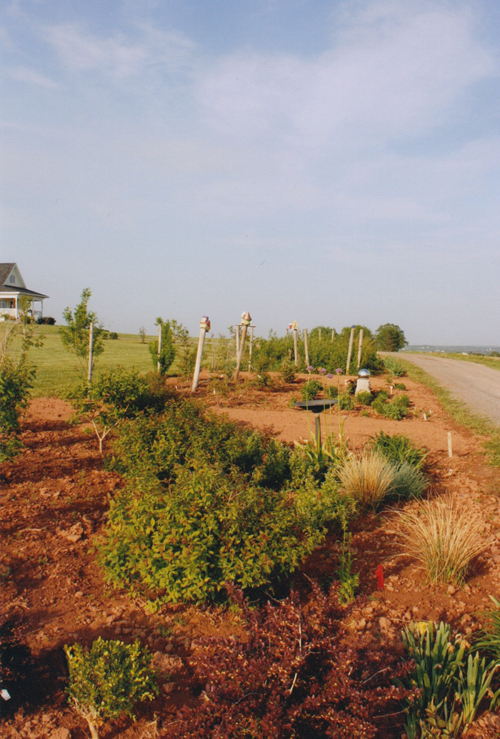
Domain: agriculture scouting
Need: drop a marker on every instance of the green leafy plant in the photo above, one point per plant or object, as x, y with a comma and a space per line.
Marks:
75, 335
489, 639
444, 536
311, 389
348, 580
162, 359
398, 448
115, 395
287, 371
397, 409
394, 367
106, 680
390, 338
452, 682
364, 398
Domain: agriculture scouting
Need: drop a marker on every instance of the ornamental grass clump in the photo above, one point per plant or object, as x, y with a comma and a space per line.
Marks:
106, 680
368, 479
444, 536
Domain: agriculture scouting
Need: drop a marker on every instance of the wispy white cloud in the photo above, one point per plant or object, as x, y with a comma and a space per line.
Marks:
32, 76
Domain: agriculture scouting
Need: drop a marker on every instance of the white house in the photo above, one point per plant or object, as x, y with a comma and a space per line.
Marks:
13, 289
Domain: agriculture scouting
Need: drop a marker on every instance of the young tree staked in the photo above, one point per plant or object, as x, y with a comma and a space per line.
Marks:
75, 335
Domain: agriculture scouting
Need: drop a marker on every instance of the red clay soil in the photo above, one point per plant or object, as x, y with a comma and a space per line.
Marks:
54, 502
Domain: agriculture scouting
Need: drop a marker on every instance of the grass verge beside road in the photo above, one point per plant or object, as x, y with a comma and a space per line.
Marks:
459, 410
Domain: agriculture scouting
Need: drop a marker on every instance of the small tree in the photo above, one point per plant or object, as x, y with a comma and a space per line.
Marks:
75, 335
142, 334
390, 338
164, 358
16, 378
106, 680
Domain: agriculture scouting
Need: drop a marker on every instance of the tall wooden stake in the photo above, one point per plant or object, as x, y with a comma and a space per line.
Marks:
204, 328
319, 334
246, 320
360, 346
237, 337
306, 347
158, 366
91, 352
250, 348
349, 353
295, 330
333, 335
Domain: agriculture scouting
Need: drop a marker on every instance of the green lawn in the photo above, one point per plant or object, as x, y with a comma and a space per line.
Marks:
58, 370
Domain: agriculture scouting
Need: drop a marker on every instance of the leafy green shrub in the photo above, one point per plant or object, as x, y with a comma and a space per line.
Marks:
400, 386
113, 335
106, 680
311, 389
115, 395
398, 448
451, 682
346, 402
397, 409
394, 367
320, 504
46, 321
364, 398
292, 674
187, 541
287, 371
331, 391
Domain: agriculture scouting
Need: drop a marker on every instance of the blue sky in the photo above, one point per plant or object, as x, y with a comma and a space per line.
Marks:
325, 162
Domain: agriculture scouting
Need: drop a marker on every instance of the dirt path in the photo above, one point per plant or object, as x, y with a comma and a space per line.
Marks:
477, 385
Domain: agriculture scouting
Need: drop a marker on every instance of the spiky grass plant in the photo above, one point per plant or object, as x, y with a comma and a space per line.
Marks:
408, 483
444, 536
367, 479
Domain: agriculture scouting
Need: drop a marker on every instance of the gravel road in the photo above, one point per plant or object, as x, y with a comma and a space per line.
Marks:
477, 385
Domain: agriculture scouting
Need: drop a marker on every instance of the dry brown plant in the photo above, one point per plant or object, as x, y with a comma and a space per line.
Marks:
444, 535
367, 479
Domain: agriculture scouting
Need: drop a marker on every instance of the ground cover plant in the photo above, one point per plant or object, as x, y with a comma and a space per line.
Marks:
291, 677
398, 448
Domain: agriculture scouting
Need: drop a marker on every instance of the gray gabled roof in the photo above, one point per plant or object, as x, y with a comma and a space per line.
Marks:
5, 270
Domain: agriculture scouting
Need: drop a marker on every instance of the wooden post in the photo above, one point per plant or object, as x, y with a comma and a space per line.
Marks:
349, 353
360, 346
319, 334
295, 330
237, 338
306, 347
158, 366
250, 348
204, 328
245, 323
450, 447
333, 335
91, 351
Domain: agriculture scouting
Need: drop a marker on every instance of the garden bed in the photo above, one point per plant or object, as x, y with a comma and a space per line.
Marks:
55, 501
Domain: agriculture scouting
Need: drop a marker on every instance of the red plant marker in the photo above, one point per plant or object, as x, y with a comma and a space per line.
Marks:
379, 574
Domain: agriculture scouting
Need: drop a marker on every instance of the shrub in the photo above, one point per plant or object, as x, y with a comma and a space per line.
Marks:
115, 395
400, 386
292, 675
397, 409
394, 367
106, 680
398, 448
311, 389
322, 505
185, 543
364, 398
287, 371
444, 536
346, 402
368, 479
113, 335
46, 321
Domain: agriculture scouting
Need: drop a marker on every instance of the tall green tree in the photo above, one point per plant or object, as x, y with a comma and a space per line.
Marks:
75, 335
390, 338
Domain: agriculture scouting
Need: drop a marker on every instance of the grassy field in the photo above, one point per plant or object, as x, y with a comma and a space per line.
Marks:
58, 370
493, 362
